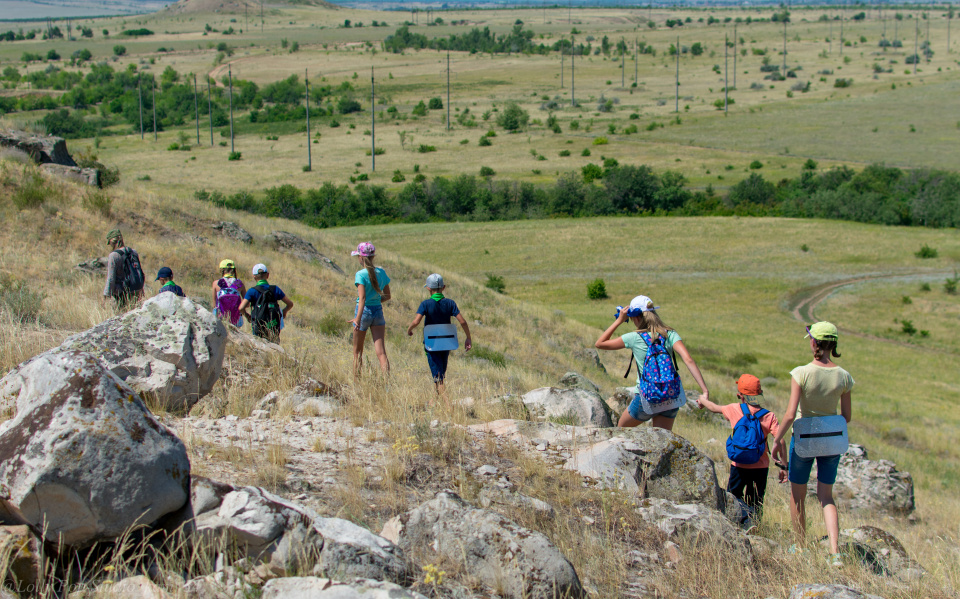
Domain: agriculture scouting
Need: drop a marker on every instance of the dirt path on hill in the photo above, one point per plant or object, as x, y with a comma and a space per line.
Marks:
803, 304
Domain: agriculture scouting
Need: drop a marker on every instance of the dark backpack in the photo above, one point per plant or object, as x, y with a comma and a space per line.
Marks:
747, 443
266, 313
659, 380
132, 280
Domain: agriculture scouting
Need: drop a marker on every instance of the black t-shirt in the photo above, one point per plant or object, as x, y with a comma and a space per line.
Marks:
435, 312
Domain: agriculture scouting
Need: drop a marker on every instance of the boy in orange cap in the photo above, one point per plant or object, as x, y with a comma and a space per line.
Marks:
748, 478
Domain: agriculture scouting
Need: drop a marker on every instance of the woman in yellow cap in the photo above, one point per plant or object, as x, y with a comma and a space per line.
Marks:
228, 292
817, 389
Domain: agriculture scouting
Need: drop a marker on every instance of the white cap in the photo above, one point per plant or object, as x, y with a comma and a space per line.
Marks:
260, 268
643, 303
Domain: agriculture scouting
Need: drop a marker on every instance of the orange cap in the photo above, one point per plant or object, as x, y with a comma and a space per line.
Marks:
748, 384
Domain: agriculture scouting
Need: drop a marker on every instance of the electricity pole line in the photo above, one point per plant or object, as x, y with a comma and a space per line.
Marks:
196, 107
306, 82
230, 75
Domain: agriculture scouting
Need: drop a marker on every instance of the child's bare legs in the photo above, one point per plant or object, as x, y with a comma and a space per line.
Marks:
358, 339
830, 517
626, 420
798, 513
663, 422
380, 346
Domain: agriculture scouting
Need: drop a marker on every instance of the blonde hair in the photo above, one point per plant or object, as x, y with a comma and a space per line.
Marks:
367, 262
649, 322
224, 271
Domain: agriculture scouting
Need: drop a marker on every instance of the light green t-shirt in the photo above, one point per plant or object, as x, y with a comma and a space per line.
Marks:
635, 343
821, 388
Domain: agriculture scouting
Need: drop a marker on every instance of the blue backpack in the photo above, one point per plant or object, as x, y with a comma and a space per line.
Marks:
659, 380
747, 443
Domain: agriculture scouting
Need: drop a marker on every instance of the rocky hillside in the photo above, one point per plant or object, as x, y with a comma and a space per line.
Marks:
158, 453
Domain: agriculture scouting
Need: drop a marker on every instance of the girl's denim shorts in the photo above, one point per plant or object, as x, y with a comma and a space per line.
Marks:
372, 317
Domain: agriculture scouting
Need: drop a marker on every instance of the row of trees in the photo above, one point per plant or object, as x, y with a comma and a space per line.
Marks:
877, 194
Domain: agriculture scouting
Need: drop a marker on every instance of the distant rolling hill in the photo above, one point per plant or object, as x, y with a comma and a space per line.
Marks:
236, 6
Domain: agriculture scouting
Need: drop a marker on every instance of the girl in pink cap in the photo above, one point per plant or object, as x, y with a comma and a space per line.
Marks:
373, 288
643, 314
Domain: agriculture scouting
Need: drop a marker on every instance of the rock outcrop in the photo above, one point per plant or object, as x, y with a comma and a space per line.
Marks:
827, 591
575, 380
870, 485
288, 243
694, 522
233, 231
44, 149
569, 406
87, 176
82, 457
170, 348
520, 563
310, 587
881, 552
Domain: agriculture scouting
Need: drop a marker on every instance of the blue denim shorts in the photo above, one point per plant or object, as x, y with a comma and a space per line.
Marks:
372, 317
799, 468
636, 411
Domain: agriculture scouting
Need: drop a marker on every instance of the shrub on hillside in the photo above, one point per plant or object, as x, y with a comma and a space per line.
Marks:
597, 290
31, 191
420, 109
754, 190
435, 104
513, 117
485, 141
234, 156
926, 252
496, 283
18, 301
486, 171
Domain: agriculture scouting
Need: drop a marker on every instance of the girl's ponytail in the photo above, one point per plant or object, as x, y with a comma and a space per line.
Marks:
372, 271
825, 347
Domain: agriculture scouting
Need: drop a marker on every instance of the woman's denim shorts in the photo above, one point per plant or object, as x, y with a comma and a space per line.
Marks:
799, 468
372, 317
636, 411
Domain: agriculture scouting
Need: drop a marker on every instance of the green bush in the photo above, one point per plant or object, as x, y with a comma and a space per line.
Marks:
420, 109
926, 252
950, 285
234, 156
398, 177
907, 327
755, 165
332, 324
18, 301
925, 287
496, 283
597, 290
485, 141
585, 152
591, 172
486, 171
600, 141
435, 104
424, 148
564, 152
119, 50
32, 191
512, 117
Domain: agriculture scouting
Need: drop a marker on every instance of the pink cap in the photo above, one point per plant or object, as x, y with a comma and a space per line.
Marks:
365, 249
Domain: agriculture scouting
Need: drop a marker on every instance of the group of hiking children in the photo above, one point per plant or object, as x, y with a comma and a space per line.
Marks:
817, 390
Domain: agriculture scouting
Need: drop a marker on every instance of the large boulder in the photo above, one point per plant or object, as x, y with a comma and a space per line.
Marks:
42, 148
695, 523
568, 406
233, 231
518, 562
285, 536
301, 249
870, 485
881, 552
170, 348
87, 176
827, 591
311, 587
575, 380
82, 458
651, 462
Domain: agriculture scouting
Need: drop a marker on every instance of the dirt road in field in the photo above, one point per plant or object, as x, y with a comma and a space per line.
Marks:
803, 304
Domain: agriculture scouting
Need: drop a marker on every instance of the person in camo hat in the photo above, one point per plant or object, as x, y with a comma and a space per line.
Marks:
124, 273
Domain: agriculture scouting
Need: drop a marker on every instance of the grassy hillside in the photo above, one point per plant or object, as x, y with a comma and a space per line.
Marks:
724, 283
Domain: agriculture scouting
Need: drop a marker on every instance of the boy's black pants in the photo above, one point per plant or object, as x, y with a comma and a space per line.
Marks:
749, 485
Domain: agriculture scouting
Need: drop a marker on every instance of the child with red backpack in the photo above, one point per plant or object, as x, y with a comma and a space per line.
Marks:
747, 445
659, 395
228, 293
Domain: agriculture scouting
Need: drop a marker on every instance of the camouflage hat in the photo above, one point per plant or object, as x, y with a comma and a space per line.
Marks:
114, 234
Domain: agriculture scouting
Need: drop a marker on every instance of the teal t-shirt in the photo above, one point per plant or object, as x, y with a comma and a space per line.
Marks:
363, 278
635, 343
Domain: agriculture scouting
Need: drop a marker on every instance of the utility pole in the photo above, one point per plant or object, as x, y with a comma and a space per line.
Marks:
230, 75
210, 109
561, 63
784, 46
306, 82
726, 87
140, 101
916, 45
831, 37
261, 17
841, 27
676, 99
246, 24
448, 90
154, 110
373, 130
949, 18
736, 41
573, 87
196, 107
623, 63
636, 60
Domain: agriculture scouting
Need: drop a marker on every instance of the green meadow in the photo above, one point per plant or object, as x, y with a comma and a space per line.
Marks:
727, 285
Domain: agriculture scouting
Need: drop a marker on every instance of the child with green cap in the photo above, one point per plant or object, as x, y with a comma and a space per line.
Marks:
438, 309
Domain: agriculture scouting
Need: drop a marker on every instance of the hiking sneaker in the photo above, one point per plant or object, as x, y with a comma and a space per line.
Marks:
795, 549
835, 560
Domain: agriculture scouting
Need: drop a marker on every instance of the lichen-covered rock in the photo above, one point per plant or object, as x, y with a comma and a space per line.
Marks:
311, 587
620, 400
881, 552
82, 458
520, 563
694, 522
651, 462
42, 148
569, 406
287, 537
233, 231
170, 348
87, 176
870, 485
827, 591
575, 380
301, 249
493, 497
134, 587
